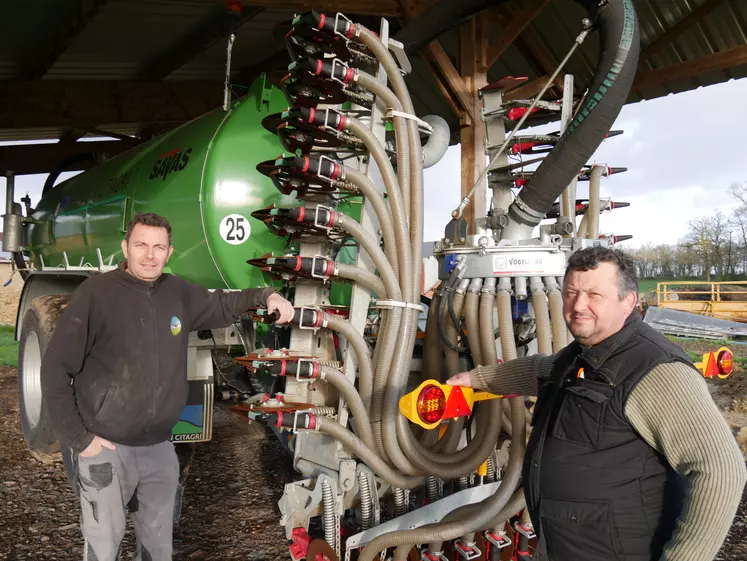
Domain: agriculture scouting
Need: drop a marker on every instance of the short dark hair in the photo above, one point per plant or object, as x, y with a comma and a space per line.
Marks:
148, 219
591, 257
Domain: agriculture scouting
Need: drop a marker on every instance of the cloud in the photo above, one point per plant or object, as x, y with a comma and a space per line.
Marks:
682, 153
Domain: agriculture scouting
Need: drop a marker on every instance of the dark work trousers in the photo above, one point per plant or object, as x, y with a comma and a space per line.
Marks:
144, 478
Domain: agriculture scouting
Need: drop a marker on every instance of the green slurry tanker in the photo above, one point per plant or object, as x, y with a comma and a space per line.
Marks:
315, 185
203, 178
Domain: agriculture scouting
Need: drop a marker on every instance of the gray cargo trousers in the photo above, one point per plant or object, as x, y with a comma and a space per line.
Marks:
144, 478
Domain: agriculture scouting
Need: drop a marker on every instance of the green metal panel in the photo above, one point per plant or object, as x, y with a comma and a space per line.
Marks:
195, 176
232, 188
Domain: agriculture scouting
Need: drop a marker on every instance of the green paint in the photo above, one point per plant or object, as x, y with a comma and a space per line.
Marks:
195, 176
184, 427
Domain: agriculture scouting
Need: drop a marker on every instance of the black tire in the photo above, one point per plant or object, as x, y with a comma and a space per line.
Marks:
38, 326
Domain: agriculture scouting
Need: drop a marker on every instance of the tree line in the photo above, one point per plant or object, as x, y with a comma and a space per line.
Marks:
714, 249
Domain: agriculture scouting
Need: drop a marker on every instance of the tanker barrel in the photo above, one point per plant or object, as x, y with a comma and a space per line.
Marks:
12, 220
9, 191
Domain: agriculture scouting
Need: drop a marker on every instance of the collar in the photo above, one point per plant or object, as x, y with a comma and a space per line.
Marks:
126, 279
596, 355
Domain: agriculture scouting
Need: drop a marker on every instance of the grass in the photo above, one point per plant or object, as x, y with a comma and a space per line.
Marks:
8, 346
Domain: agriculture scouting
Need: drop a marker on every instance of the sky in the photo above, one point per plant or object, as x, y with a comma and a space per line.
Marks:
682, 152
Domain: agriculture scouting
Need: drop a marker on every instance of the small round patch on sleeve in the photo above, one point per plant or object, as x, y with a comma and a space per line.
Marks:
176, 325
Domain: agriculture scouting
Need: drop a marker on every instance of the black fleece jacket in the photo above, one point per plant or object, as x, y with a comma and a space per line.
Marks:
116, 365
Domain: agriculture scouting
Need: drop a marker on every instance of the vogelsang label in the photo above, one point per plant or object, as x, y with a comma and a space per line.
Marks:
530, 263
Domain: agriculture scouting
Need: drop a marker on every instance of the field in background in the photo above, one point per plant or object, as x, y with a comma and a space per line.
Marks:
8, 346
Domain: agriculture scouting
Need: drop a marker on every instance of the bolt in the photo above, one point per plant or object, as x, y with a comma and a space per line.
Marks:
461, 240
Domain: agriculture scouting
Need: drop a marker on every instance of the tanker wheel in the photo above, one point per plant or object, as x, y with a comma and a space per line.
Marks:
38, 327
320, 550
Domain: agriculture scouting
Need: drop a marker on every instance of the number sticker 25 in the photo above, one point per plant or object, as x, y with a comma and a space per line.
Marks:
234, 229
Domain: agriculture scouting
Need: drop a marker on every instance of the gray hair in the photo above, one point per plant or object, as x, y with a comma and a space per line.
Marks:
591, 257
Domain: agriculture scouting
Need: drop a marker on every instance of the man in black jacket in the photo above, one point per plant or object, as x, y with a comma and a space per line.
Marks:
629, 457
114, 379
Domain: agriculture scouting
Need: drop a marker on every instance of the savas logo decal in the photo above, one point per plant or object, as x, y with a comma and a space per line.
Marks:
170, 162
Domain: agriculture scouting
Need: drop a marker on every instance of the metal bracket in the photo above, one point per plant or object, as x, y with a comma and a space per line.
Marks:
338, 17
328, 209
526, 531
468, 552
298, 371
501, 541
300, 320
294, 430
398, 50
438, 556
347, 477
313, 267
336, 62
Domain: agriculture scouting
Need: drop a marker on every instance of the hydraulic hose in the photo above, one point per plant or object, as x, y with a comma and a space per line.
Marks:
362, 353
556, 314
472, 319
438, 141
396, 201
400, 131
492, 507
366, 454
616, 68
432, 351
361, 276
392, 248
487, 331
401, 365
401, 360
541, 316
452, 357
354, 401
367, 241
461, 462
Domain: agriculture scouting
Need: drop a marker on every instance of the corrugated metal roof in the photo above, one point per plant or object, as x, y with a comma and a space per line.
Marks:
126, 35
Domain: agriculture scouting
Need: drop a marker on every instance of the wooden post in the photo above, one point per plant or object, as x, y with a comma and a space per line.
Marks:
473, 51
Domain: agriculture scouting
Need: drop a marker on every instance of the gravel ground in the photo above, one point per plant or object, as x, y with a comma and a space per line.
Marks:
229, 509
230, 503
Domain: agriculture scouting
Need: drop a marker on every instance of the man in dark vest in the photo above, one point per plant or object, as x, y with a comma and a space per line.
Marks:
629, 458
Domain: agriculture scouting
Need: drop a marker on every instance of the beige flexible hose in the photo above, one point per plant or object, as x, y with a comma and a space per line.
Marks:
541, 316
354, 401
362, 353
472, 319
358, 449
361, 276
556, 314
398, 222
386, 222
492, 507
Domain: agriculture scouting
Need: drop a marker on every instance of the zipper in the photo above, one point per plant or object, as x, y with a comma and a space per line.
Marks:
155, 359
603, 377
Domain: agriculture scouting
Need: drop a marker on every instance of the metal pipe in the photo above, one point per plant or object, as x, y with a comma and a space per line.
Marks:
520, 288
10, 185
593, 209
